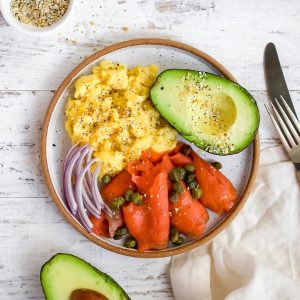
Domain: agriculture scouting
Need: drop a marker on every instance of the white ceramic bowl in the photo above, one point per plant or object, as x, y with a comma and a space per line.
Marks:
33, 30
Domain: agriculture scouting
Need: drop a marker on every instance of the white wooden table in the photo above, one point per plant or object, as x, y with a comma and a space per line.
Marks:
31, 228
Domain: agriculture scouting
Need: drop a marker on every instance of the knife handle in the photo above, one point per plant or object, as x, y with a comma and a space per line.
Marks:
297, 167
298, 174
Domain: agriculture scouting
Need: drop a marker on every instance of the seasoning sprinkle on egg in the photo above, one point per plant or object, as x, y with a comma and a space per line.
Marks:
39, 13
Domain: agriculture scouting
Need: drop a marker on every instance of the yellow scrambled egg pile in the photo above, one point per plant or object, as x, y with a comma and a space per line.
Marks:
112, 112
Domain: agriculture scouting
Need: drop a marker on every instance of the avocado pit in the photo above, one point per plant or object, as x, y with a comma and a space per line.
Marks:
83, 294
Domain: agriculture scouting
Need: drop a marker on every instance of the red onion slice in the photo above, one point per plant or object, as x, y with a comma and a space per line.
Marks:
67, 179
79, 168
68, 187
78, 195
96, 194
86, 197
69, 155
89, 205
80, 161
88, 173
87, 201
87, 188
91, 210
83, 223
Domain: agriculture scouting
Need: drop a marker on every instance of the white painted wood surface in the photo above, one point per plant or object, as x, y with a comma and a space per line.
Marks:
31, 228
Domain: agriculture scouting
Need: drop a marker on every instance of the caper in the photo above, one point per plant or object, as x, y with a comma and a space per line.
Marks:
217, 165
173, 230
117, 237
130, 243
193, 184
179, 241
177, 187
121, 231
115, 205
182, 172
173, 197
175, 175
106, 179
128, 195
175, 237
137, 198
189, 168
189, 178
187, 150
196, 192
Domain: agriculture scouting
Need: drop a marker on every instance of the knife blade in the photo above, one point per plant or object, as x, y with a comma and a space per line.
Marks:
274, 77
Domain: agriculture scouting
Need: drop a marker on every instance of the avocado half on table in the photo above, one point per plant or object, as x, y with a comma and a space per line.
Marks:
67, 277
216, 114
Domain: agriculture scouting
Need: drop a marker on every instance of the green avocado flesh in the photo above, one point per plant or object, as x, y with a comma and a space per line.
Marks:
64, 273
214, 113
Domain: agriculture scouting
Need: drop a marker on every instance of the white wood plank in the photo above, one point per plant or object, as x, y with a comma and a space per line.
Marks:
21, 118
32, 230
235, 33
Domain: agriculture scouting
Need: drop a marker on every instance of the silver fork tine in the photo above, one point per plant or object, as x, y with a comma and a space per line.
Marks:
284, 141
285, 130
288, 122
291, 114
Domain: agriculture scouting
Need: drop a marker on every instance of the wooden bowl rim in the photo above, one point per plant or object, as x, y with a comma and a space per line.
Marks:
155, 253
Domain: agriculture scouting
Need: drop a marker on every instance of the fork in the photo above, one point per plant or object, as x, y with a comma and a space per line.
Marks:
288, 128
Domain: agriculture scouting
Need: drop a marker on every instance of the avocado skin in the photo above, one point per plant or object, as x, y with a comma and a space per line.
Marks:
107, 278
187, 134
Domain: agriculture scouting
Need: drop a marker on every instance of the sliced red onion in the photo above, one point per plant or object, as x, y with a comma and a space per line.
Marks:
69, 155
67, 180
90, 209
88, 201
86, 197
85, 225
108, 211
90, 205
78, 195
87, 188
88, 173
68, 187
79, 168
96, 194
80, 161
81, 148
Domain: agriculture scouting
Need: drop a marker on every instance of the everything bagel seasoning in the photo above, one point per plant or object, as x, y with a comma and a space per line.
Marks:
40, 13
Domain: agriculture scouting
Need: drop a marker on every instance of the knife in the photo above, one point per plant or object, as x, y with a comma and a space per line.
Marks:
274, 77
276, 83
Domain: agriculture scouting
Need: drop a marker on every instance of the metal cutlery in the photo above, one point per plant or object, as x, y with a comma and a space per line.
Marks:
284, 117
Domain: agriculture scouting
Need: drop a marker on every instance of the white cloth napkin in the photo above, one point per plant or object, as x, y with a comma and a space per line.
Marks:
258, 255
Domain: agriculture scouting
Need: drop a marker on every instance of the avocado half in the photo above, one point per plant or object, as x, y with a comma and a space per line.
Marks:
65, 273
214, 113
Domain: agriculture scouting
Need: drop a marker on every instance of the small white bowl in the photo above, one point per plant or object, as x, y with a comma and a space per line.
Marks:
30, 29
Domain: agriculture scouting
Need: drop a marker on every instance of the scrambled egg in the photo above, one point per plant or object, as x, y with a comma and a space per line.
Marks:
112, 112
